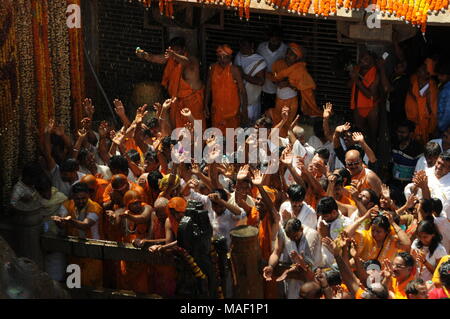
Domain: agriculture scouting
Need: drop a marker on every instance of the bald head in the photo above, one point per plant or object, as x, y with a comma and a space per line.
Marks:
310, 290
353, 162
119, 181
90, 180
161, 208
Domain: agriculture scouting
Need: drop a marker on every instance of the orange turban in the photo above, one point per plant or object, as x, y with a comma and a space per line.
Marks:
224, 50
178, 203
296, 49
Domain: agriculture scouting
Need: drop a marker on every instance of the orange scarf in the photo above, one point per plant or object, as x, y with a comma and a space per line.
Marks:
399, 288
359, 101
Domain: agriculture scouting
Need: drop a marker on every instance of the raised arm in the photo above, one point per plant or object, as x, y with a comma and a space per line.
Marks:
327, 111
358, 137
149, 57
142, 218
51, 164
120, 111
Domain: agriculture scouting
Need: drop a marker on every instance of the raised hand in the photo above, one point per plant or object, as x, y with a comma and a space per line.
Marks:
287, 156
88, 107
257, 178
157, 107
103, 129
358, 137
299, 260
119, 108
119, 136
388, 270
342, 128
327, 110
169, 53
385, 191
186, 112
243, 172
331, 246
86, 123
168, 103
284, 113
140, 114
411, 201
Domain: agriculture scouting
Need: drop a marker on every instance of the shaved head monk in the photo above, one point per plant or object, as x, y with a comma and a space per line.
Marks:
226, 91
96, 186
181, 78
291, 74
361, 177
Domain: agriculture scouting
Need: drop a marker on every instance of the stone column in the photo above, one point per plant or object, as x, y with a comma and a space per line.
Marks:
246, 263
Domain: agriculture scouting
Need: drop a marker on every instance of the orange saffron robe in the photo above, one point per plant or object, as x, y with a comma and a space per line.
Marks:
162, 278
359, 101
299, 77
225, 108
399, 289
419, 112
91, 269
100, 190
265, 243
362, 180
368, 249
186, 96
133, 275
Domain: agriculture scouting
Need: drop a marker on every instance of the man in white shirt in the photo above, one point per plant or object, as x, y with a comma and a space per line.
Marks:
330, 224
295, 207
434, 182
65, 176
295, 238
88, 166
252, 66
430, 155
271, 51
24, 196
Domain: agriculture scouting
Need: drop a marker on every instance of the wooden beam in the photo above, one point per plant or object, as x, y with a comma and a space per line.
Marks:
102, 249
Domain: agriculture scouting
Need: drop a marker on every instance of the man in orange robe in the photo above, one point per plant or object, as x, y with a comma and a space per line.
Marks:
181, 78
421, 104
135, 223
268, 225
291, 74
96, 186
225, 88
364, 100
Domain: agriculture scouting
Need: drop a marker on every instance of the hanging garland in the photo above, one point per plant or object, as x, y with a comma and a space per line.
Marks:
59, 50
76, 71
27, 103
9, 100
411, 11
44, 94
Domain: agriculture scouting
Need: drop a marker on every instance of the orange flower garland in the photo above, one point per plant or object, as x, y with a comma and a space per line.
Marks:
44, 94
76, 71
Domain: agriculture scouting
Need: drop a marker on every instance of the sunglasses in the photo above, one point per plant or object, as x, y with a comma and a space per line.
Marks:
352, 164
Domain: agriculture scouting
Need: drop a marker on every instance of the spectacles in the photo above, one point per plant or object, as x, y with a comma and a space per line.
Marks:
352, 164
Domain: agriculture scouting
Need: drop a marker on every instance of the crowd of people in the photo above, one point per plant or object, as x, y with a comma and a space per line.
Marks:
325, 213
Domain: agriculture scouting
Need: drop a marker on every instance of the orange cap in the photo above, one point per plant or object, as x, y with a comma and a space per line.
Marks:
178, 203
270, 192
224, 50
